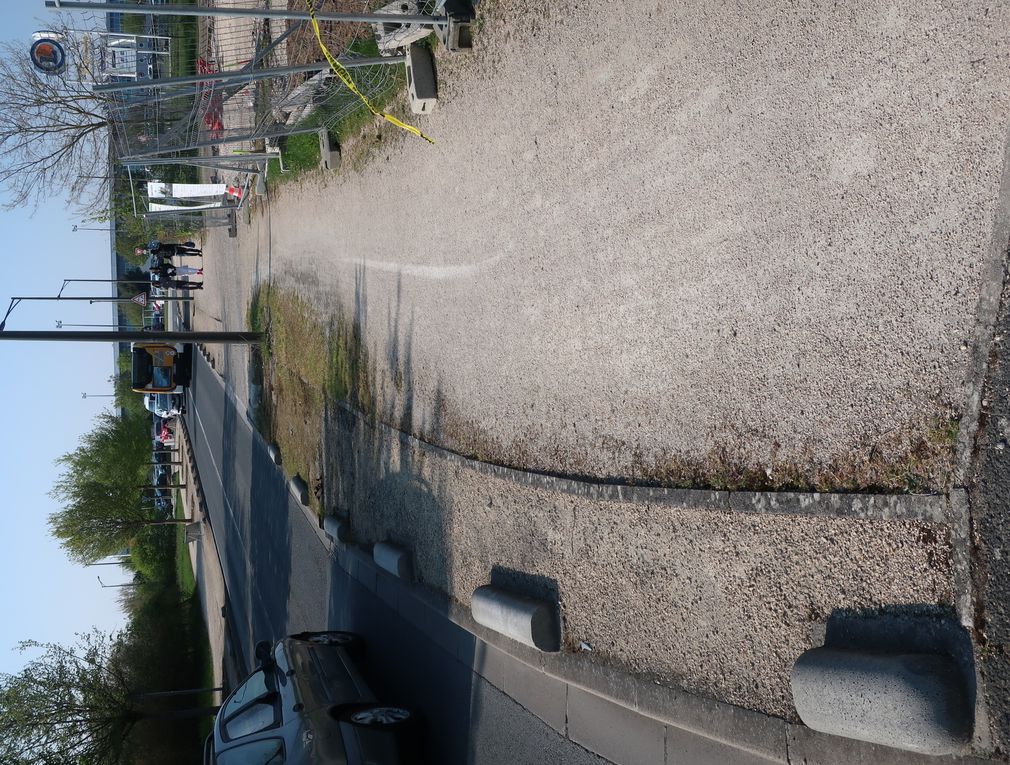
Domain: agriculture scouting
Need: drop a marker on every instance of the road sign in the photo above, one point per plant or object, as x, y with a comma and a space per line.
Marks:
47, 53
140, 299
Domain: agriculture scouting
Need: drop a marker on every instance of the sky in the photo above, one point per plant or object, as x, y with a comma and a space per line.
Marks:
43, 596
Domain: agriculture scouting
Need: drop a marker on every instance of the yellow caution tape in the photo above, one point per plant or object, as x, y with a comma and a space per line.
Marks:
341, 71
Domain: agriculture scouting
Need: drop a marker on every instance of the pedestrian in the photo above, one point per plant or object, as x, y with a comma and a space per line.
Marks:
185, 271
170, 250
179, 284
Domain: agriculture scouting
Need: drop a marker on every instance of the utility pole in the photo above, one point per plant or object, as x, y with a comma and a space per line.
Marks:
127, 336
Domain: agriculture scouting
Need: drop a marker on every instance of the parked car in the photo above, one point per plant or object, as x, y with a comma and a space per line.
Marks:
163, 502
307, 702
164, 404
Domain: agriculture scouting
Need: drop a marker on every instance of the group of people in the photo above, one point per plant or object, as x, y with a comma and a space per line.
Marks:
164, 272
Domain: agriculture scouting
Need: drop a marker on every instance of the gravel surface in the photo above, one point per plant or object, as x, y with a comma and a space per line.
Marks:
684, 242
680, 242
717, 603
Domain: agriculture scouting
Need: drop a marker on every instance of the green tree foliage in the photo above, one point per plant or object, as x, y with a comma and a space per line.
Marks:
103, 504
84, 704
68, 705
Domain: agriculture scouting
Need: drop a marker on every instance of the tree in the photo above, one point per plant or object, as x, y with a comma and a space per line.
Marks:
103, 506
78, 704
54, 131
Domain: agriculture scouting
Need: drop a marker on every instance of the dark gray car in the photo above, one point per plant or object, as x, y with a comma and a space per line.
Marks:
308, 703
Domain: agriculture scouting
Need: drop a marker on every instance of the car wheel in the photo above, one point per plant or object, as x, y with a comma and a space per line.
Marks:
384, 717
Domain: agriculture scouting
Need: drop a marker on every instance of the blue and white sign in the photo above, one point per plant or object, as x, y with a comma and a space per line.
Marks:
48, 55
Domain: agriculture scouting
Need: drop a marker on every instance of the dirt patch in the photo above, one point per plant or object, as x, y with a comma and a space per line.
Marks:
293, 372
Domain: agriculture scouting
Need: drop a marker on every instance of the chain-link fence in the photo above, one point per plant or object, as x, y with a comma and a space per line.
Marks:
211, 95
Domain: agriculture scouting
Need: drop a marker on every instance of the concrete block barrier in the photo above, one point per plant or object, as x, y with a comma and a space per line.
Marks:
422, 89
393, 559
299, 488
531, 622
275, 453
911, 701
329, 151
337, 529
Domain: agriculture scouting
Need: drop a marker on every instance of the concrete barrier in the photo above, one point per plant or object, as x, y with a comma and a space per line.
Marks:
393, 559
422, 88
275, 453
337, 529
912, 701
531, 622
299, 488
329, 151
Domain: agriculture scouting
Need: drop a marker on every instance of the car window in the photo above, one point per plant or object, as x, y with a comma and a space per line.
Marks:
249, 691
268, 751
252, 719
162, 377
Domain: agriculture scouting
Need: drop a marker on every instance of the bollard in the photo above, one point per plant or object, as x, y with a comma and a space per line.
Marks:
337, 529
532, 622
912, 701
300, 489
393, 559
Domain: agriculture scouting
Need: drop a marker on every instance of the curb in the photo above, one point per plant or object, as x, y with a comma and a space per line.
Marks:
926, 508
571, 676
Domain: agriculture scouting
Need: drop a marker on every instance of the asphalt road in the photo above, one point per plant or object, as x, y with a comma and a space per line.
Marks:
280, 580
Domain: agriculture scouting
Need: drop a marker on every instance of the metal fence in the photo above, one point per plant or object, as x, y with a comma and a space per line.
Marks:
213, 95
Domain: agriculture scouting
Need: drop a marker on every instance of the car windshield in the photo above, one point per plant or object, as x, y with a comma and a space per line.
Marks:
162, 377
143, 366
250, 690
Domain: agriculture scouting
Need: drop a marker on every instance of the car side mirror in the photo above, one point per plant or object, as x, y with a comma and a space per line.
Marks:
264, 653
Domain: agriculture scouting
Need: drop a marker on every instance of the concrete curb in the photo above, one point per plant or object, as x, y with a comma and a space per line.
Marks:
926, 508
494, 656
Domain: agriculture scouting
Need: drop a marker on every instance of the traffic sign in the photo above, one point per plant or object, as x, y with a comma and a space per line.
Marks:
140, 299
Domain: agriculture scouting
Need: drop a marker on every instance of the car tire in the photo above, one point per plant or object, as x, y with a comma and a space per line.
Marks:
380, 716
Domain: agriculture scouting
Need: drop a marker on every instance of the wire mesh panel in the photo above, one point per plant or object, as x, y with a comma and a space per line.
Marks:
228, 87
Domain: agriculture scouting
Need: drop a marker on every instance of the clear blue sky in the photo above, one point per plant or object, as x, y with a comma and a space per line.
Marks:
43, 596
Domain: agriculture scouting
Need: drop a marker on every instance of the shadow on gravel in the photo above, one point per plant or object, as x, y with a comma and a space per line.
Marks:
379, 485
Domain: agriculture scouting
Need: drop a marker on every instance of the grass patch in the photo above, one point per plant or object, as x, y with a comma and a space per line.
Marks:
304, 364
185, 40
294, 369
301, 152
200, 655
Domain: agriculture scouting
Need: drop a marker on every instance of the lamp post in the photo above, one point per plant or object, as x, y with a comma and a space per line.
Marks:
110, 586
98, 395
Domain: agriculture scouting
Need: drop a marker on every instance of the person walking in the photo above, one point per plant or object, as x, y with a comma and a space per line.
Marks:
170, 250
185, 271
179, 284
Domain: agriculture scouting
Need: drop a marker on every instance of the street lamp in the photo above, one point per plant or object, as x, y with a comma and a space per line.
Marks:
89, 228
109, 586
98, 395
